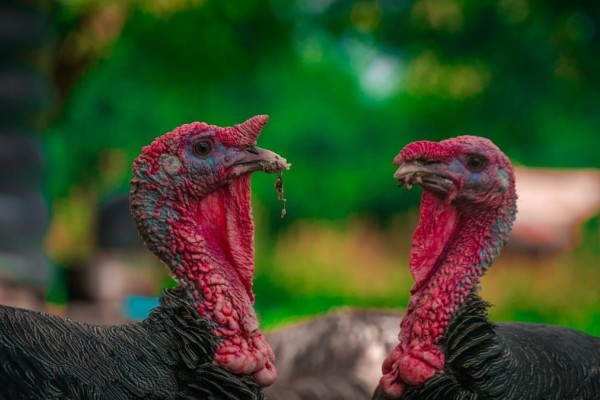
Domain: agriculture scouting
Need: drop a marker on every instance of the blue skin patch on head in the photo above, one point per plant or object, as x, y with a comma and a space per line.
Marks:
503, 178
203, 165
471, 181
474, 179
211, 162
209, 165
456, 167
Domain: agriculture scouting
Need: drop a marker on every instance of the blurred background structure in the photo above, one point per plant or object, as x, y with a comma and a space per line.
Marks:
25, 99
347, 84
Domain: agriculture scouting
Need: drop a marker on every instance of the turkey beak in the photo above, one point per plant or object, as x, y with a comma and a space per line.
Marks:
408, 174
426, 174
253, 158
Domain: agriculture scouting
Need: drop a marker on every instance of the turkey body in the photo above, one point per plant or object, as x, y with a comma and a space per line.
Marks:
511, 361
166, 356
333, 357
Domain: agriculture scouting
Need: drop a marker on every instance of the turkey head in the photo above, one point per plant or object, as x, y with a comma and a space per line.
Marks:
190, 198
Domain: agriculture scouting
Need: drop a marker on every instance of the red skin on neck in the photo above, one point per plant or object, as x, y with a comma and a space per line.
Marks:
215, 236
442, 260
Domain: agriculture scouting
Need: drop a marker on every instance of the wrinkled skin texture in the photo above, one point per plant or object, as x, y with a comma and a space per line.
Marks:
448, 348
191, 200
444, 261
509, 361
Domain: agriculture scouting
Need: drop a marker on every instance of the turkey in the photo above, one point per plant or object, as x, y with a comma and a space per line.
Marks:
448, 348
336, 356
190, 199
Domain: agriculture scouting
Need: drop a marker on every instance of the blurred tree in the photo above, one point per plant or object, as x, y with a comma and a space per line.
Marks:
347, 84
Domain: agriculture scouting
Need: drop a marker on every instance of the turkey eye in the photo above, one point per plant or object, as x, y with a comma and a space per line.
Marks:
203, 148
475, 163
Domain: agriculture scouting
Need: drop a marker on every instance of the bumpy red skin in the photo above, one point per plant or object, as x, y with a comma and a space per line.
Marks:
206, 236
457, 237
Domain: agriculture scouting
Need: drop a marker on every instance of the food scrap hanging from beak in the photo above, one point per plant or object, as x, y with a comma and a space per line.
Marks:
280, 193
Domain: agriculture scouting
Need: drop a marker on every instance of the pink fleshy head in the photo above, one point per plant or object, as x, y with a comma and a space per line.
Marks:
191, 201
467, 209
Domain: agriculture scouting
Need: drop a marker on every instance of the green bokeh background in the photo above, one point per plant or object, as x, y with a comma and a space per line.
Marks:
346, 84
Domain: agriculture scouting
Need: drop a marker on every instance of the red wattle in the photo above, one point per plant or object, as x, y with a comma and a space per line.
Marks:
219, 263
435, 229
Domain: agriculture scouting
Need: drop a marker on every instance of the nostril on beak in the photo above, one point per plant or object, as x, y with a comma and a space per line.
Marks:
251, 149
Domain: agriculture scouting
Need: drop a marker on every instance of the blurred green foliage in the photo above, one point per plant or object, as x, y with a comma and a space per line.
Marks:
347, 84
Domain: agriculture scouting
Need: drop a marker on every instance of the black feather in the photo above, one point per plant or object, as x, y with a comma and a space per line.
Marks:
511, 361
167, 356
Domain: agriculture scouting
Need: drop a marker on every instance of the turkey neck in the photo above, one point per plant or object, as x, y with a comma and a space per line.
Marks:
208, 244
451, 250
203, 241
